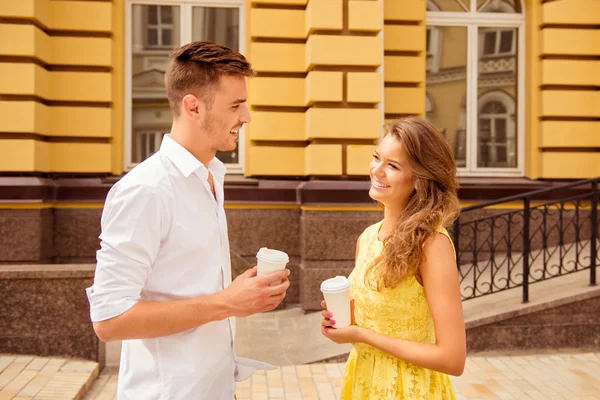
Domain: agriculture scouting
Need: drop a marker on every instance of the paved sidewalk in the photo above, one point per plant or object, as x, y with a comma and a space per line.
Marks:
573, 376
43, 378
544, 377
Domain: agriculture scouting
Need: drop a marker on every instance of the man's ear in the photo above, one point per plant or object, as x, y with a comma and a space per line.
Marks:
191, 107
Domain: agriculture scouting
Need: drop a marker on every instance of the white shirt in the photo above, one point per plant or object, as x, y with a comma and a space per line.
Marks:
164, 237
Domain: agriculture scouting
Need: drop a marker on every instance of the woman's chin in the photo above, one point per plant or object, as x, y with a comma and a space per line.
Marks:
376, 195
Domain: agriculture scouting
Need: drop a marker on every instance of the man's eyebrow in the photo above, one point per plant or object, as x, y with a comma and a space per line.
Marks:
239, 101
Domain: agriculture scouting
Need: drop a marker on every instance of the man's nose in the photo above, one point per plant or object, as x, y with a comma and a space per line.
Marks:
246, 117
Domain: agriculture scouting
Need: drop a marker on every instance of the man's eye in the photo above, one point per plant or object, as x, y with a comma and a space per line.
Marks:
236, 107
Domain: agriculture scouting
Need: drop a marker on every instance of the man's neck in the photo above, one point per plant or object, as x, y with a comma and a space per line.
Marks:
197, 148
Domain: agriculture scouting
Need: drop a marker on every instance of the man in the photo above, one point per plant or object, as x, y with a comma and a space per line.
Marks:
163, 278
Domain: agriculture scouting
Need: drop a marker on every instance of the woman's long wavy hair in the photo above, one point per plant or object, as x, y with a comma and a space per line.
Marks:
433, 204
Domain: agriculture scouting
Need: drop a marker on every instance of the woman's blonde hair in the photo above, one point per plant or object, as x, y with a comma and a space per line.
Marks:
433, 204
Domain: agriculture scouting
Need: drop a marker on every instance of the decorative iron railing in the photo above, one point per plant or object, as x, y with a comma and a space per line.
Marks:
524, 239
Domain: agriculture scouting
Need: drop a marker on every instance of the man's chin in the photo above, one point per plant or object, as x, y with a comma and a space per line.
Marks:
228, 147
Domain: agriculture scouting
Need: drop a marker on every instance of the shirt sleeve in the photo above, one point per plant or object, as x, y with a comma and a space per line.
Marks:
129, 244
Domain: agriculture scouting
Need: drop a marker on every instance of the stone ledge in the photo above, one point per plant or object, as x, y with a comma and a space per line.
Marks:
246, 190
532, 309
562, 313
47, 271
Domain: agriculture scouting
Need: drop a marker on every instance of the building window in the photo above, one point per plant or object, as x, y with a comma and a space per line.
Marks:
481, 62
153, 31
498, 42
428, 107
147, 143
159, 26
428, 41
433, 42
496, 131
460, 144
448, 5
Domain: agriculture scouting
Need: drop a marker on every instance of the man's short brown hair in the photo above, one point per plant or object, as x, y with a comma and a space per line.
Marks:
196, 69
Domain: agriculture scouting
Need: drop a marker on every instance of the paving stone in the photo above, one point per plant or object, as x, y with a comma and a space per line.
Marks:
37, 363
39, 378
16, 384
11, 372
552, 376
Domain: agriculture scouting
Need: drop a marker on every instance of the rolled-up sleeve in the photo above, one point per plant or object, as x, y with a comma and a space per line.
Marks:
130, 241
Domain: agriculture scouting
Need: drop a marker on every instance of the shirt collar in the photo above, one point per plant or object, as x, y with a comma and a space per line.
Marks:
217, 168
187, 163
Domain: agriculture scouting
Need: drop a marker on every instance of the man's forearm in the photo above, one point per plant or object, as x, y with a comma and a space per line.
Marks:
150, 319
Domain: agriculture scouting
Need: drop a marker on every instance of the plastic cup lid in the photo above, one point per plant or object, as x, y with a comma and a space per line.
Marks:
335, 285
271, 255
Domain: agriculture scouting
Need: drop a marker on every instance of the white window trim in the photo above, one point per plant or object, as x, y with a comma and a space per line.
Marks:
473, 20
185, 34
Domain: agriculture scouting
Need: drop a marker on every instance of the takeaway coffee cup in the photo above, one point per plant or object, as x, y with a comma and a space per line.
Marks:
337, 296
270, 260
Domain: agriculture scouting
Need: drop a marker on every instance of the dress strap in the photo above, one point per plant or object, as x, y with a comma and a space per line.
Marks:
444, 232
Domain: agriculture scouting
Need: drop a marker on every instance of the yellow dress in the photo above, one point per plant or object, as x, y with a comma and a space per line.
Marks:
401, 312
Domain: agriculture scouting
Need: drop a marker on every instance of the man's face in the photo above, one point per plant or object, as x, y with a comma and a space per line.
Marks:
228, 113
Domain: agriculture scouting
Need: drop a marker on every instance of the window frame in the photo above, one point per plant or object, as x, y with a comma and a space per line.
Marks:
185, 36
473, 20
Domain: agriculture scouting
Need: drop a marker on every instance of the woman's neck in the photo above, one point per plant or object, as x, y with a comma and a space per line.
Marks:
390, 216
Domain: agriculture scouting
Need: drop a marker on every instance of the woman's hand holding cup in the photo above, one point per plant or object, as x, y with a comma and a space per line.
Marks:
328, 321
347, 334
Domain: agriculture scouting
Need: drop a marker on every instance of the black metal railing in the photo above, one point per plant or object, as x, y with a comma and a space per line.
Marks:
506, 246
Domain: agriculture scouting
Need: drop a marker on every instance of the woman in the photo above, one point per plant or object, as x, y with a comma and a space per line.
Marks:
408, 328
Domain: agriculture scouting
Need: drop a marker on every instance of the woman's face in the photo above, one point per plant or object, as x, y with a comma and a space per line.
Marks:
391, 174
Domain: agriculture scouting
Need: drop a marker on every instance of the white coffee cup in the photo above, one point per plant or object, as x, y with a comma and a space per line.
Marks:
270, 260
337, 296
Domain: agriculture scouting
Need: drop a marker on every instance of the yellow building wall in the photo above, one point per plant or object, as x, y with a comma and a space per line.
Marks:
562, 78
404, 66
533, 18
325, 66
318, 88
57, 86
569, 76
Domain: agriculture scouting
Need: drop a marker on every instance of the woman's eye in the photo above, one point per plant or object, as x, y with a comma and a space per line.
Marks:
375, 156
393, 166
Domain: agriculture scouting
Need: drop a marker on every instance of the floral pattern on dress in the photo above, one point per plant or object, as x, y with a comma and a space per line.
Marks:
401, 312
